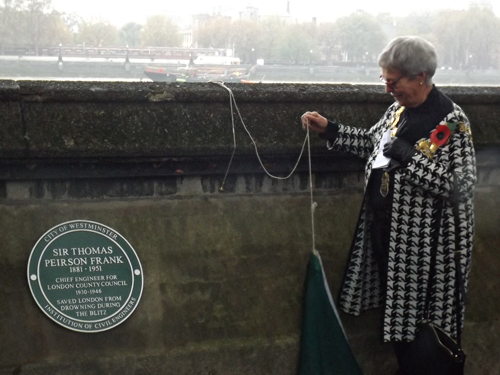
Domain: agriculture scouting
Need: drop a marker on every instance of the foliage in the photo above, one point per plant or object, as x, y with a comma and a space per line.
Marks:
247, 38
97, 34
212, 32
271, 32
328, 43
359, 37
160, 31
32, 23
468, 39
130, 35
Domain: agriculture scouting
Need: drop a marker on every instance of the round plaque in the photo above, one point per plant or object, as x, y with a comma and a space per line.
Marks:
85, 276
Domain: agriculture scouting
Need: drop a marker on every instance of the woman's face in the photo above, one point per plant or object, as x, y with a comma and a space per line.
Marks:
407, 91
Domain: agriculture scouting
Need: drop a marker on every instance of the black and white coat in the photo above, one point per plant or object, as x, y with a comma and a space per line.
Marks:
418, 189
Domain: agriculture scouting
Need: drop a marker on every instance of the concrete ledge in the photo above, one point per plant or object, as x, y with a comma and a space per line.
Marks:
90, 119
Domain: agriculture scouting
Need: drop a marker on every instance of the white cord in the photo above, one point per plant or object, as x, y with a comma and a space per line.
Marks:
231, 99
233, 106
311, 195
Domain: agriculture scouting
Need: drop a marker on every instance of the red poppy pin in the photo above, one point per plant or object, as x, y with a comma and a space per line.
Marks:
440, 135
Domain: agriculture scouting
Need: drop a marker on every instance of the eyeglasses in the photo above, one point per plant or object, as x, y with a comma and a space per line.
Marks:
391, 83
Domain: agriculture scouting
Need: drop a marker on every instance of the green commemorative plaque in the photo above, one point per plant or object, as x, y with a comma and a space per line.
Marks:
85, 276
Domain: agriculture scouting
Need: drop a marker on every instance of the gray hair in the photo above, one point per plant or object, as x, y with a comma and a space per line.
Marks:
410, 55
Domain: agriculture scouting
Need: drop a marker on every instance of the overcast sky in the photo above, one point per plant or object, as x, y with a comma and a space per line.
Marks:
120, 12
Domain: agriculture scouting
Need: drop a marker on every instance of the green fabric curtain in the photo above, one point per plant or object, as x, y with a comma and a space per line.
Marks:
324, 346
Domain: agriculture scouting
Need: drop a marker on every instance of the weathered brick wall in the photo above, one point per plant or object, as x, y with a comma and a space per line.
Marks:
223, 270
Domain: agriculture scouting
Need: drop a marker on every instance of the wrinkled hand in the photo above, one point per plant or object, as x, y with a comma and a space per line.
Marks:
399, 150
314, 121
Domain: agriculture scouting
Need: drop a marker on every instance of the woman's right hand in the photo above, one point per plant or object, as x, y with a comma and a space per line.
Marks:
314, 121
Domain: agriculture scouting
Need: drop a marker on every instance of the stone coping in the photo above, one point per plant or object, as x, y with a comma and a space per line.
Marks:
68, 119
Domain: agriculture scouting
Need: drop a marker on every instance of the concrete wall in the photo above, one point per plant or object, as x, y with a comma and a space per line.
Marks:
224, 270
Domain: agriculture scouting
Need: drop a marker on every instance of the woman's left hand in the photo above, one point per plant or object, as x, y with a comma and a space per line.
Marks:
314, 121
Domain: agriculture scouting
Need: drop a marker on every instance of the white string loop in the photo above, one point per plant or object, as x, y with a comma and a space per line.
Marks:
234, 106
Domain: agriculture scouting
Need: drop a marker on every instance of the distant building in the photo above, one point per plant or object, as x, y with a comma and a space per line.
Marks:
187, 38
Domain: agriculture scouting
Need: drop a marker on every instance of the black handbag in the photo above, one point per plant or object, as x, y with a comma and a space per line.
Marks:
434, 352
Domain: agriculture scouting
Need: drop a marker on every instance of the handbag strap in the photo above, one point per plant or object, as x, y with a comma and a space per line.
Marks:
432, 266
459, 281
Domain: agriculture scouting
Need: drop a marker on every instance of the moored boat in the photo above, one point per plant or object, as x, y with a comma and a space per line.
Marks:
201, 69
198, 73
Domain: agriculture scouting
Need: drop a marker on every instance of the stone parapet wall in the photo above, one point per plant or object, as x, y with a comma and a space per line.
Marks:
223, 268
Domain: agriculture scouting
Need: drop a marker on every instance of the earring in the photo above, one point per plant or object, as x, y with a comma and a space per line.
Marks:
421, 83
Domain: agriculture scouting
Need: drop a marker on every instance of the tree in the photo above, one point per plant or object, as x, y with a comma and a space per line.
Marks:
484, 35
161, 31
130, 34
214, 32
468, 39
247, 38
298, 44
97, 34
272, 30
55, 30
35, 12
421, 24
10, 25
328, 42
450, 45
359, 37
32, 23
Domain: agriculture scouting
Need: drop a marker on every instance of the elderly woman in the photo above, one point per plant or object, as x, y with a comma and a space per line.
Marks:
420, 160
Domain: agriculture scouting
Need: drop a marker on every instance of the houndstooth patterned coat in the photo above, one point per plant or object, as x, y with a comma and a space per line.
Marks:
415, 232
